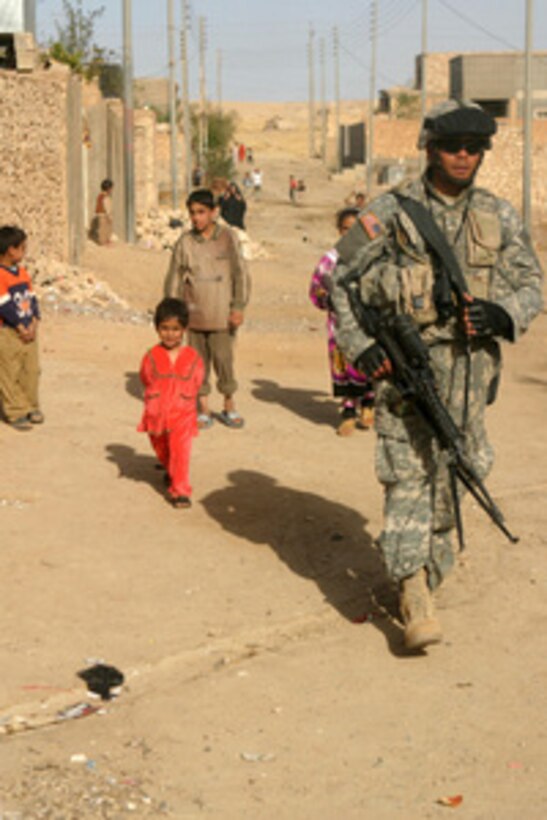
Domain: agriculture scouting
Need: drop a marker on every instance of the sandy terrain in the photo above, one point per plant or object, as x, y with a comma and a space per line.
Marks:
265, 671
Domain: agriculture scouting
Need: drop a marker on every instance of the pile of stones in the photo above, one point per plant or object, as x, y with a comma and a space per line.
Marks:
63, 288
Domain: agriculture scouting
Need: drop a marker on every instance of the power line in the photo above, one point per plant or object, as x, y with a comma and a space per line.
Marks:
384, 28
478, 26
366, 66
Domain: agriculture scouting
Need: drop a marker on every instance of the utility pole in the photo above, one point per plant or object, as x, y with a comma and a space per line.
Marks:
372, 94
202, 94
336, 53
186, 121
30, 17
128, 123
311, 93
424, 70
527, 117
219, 78
322, 60
172, 102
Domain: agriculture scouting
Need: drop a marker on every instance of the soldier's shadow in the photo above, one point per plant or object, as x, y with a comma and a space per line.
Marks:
316, 538
308, 404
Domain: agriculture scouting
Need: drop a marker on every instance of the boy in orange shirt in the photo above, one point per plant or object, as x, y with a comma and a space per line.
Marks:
19, 317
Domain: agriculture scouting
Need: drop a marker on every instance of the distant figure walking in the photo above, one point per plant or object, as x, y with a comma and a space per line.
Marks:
241, 152
257, 180
102, 226
233, 206
293, 188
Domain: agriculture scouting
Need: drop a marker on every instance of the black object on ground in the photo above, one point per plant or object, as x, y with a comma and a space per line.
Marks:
102, 679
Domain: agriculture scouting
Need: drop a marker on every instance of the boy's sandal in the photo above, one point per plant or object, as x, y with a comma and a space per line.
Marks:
204, 421
36, 417
181, 502
231, 418
21, 423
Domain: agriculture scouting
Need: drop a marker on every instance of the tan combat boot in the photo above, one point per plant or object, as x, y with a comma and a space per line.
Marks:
421, 626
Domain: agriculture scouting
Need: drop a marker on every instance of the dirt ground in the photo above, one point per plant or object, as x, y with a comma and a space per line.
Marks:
265, 674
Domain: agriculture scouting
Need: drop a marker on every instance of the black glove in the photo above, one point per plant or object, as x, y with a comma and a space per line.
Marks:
489, 319
372, 360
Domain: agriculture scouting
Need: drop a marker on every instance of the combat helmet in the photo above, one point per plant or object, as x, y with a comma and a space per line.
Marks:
454, 117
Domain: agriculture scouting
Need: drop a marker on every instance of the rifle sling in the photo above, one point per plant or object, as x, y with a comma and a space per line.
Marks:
436, 241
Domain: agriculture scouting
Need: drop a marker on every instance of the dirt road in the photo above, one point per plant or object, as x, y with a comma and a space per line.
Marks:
265, 675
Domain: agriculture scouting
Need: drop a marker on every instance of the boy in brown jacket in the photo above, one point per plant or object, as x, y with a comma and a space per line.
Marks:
208, 272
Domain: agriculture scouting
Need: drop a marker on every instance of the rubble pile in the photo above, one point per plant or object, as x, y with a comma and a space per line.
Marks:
63, 288
159, 230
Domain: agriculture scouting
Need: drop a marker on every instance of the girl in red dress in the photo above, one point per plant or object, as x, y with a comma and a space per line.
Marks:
172, 373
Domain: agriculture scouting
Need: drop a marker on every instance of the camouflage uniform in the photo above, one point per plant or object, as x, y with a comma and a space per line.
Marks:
498, 262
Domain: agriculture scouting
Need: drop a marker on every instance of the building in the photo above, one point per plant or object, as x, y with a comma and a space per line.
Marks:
496, 81
18, 15
493, 79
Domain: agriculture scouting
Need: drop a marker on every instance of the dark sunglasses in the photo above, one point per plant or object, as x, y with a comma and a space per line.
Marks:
453, 145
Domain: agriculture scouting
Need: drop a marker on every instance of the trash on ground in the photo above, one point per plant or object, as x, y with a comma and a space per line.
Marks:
256, 757
451, 802
78, 710
103, 680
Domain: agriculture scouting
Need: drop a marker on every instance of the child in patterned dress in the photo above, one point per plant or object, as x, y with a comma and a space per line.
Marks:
348, 384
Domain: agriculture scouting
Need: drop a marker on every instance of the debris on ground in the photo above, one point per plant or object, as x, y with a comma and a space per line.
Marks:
64, 288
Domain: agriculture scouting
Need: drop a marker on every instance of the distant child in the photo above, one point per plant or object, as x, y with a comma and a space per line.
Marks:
351, 386
19, 317
172, 373
102, 226
208, 272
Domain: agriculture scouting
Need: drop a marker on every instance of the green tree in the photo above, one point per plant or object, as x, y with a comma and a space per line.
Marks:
74, 43
221, 128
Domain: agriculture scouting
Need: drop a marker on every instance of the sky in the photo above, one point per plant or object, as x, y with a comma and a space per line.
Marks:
264, 42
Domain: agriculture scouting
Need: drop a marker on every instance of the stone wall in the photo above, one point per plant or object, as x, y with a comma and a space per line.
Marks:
146, 186
33, 159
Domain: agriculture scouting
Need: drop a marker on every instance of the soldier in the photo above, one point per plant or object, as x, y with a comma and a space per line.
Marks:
401, 273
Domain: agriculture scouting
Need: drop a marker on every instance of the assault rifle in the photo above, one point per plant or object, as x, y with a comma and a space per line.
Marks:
413, 376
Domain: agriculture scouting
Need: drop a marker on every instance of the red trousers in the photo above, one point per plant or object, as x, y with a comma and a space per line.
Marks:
173, 451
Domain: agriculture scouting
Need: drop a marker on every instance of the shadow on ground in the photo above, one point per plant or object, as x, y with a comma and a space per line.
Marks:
136, 466
316, 538
308, 404
133, 385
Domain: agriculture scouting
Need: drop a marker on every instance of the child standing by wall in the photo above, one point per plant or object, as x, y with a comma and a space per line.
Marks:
208, 272
102, 226
171, 373
349, 384
19, 317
